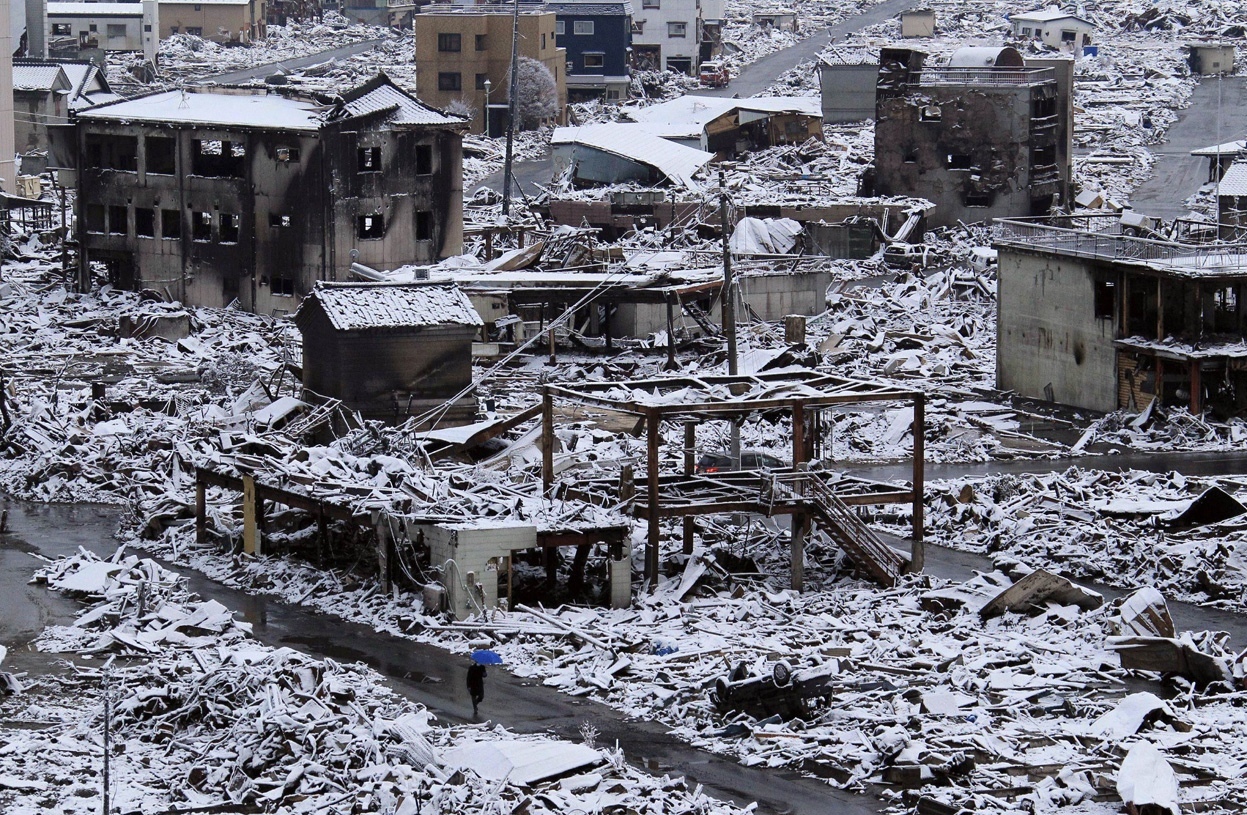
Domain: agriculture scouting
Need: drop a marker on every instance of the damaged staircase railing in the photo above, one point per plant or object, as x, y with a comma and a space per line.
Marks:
866, 549
701, 318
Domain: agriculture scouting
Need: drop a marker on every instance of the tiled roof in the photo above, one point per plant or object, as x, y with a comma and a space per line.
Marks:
36, 77
1234, 182
361, 306
408, 109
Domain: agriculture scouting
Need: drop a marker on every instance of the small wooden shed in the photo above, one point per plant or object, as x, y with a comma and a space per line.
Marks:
390, 350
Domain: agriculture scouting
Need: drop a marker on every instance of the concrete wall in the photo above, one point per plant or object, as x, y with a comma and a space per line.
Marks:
80, 26
848, 92
1047, 331
917, 23
218, 22
34, 110
654, 45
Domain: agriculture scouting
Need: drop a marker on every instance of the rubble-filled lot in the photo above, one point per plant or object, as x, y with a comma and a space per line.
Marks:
204, 716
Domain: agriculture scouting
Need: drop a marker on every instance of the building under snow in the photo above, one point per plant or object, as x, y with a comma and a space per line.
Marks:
45, 92
208, 196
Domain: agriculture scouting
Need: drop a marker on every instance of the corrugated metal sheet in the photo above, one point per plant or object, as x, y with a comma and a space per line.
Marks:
360, 306
1234, 182
675, 161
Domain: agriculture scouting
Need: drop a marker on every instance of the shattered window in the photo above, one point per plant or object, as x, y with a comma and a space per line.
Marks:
201, 226
170, 224
195, 31
229, 227
282, 286
62, 30
371, 226
370, 159
287, 154
215, 158
978, 199
960, 161
113, 152
424, 225
279, 221
1105, 299
95, 218
210, 147
161, 155
117, 220
145, 222
424, 159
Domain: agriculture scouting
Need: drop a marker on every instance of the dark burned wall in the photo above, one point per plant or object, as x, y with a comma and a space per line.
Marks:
413, 178
975, 153
261, 242
366, 369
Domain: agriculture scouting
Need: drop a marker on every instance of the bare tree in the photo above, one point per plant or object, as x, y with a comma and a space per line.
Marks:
537, 96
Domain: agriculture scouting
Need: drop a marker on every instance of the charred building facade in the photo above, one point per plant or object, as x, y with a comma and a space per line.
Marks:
988, 136
227, 194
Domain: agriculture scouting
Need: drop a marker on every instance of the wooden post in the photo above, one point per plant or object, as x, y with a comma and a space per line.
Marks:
651, 477
917, 552
798, 435
800, 525
1195, 387
201, 511
547, 441
670, 335
489, 243
690, 465
250, 531
385, 544
554, 354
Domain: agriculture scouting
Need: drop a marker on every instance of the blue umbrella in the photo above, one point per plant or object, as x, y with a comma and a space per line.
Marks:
486, 658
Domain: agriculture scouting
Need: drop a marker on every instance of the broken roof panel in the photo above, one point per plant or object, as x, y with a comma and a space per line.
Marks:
690, 114
677, 162
361, 306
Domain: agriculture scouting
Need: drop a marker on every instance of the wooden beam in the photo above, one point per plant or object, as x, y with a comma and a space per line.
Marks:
251, 543
652, 501
547, 440
201, 511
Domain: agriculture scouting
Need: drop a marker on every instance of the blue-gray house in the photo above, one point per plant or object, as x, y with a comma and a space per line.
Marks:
598, 39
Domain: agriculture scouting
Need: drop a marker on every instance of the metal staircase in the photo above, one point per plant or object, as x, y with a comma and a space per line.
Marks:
866, 549
701, 318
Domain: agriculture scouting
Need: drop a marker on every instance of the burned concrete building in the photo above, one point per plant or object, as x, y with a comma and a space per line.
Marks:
1097, 318
215, 195
987, 136
390, 350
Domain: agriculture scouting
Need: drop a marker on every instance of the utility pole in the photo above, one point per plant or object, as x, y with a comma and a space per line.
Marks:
729, 309
107, 736
515, 82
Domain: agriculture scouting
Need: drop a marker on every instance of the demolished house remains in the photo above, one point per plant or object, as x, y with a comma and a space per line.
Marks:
987, 136
1120, 319
214, 195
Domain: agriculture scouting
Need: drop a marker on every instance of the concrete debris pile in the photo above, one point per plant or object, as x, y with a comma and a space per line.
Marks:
1158, 429
216, 720
1109, 526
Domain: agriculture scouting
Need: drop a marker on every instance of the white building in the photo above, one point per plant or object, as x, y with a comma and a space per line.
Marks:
1054, 28
666, 34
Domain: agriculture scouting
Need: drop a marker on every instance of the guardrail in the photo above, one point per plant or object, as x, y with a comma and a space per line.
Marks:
1103, 244
985, 76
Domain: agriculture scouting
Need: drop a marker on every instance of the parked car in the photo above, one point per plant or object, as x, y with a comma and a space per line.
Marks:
715, 74
906, 255
749, 460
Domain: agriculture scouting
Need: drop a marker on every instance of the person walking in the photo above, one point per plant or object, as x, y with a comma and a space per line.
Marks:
476, 684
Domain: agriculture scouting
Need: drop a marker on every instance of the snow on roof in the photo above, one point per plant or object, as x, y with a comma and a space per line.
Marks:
1224, 149
193, 106
1234, 182
37, 77
1048, 15
95, 9
677, 162
407, 109
590, 9
359, 306
690, 114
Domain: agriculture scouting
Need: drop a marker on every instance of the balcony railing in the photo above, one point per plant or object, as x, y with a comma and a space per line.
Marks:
1103, 240
986, 76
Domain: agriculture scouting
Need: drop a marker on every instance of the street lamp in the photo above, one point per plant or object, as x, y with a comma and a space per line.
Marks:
488, 86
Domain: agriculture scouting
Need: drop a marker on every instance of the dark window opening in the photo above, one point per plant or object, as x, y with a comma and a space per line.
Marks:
144, 222
369, 159
1225, 310
218, 159
978, 199
229, 227
1069, 36
481, 43
1044, 156
161, 155
424, 159
424, 225
449, 81
279, 221
117, 221
450, 42
911, 157
201, 226
288, 154
1105, 299
960, 161
95, 218
282, 286
195, 30
113, 152
62, 29
1044, 107
371, 227
595, 60
170, 224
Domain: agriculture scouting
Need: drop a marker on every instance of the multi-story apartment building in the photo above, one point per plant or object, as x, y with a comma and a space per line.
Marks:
598, 40
666, 35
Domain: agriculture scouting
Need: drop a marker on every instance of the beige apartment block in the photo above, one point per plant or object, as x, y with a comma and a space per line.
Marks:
460, 50
216, 20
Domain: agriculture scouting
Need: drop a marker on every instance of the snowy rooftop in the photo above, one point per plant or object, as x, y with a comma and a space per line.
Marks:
1048, 15
1228, 148
590, 9
360, 306
95, 9
675, 161
40, 77
689, 115
1234, 182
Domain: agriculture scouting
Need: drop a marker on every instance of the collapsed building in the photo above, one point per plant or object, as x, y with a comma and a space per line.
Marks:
987, 136
211, 196
1096, 318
